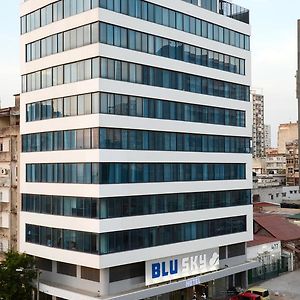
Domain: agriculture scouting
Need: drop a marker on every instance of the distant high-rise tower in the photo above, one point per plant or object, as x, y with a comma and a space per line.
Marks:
268, 142
258, 132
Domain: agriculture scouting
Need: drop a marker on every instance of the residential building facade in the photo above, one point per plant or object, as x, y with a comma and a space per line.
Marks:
258, 130
259, 165
136, 166
287, 133
9, 159
275, 162
292, 163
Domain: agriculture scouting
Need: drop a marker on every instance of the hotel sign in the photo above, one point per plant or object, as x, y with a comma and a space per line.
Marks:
171, 268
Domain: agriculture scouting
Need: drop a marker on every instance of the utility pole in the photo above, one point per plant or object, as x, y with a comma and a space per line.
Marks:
38, 272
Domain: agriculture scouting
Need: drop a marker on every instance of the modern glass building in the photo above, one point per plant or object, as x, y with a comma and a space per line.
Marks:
135, 168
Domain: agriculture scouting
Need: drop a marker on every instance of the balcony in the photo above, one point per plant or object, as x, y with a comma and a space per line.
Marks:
206, 4
4, 245
4, 195
4, 220
5, 180
227, 9
5, 156
234, 11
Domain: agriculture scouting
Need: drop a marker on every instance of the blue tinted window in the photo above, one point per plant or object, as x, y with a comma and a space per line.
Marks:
131, 173
113, 242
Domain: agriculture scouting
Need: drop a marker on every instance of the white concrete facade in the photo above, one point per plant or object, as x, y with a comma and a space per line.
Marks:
76, 288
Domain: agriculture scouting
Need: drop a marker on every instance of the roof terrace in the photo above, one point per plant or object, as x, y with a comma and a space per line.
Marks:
226, 8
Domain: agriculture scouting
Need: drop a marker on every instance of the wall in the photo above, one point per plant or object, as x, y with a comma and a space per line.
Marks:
273, 248
268, 194
277, 194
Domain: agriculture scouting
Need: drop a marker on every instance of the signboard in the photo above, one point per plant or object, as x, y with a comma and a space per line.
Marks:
171, 268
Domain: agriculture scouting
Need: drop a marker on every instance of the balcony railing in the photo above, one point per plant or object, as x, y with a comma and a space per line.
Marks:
206, 4
234, 11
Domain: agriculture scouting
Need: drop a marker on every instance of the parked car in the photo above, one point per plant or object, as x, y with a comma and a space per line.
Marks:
245, 296
262, 292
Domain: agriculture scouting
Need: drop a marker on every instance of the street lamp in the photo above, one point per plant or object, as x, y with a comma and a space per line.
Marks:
38, 272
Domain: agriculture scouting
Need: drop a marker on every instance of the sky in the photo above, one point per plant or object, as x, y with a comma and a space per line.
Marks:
274, 57
9, 51
273, 46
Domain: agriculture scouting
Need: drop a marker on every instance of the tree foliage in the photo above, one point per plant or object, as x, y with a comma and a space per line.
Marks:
17, 285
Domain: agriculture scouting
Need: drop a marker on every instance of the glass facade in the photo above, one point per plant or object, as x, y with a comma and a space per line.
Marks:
119, 73
116, 104
131, 139
54, 12
117, 173
63, 41
207, 4
234, 11
139, 41
174, 19
139, 9
135, 73
133, 40
128, 206
119, 241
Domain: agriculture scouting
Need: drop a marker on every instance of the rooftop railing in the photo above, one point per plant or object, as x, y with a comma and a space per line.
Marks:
234, 11
207, 4
226, 8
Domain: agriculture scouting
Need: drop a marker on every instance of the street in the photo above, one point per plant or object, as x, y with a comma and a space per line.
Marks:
288, 286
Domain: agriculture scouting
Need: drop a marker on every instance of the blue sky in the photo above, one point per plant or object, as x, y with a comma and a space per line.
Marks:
273, 55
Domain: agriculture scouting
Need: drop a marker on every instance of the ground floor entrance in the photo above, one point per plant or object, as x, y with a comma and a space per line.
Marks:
218, 289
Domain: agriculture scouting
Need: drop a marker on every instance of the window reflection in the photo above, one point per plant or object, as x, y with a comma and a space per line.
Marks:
145, 107
147, 11
130, 139
114, 242
140, 74
115, 173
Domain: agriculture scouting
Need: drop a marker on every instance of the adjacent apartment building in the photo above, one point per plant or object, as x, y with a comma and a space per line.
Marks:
258, 131
9, 158
136, 166
292, 163
287, 133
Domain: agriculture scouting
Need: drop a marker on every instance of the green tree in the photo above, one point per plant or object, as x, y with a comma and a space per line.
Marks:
16, 276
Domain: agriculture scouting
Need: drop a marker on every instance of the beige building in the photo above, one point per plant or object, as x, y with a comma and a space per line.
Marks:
275, 162
287, 133
259, 165
9, 157
292, 164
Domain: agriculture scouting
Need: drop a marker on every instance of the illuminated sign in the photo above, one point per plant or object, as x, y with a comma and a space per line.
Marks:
170, 268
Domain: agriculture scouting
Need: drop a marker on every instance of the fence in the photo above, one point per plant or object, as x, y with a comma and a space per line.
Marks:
266, 272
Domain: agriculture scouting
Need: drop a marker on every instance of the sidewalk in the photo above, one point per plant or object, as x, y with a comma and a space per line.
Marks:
288, 286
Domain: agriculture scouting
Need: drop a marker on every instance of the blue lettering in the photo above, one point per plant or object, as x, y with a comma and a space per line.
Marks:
155, 270
173, 267
163, 269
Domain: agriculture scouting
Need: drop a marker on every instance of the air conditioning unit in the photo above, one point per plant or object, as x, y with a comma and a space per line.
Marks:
3, 171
